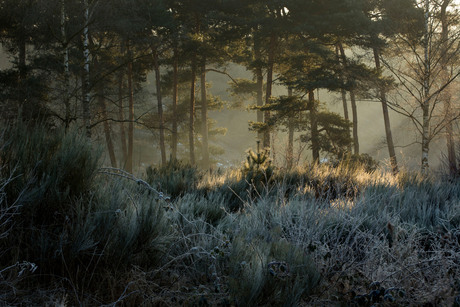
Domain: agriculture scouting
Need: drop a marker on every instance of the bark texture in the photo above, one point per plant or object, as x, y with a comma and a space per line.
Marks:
191, 135
174, 106
314, 126
354, 108
159, 106
386, 117
204, 116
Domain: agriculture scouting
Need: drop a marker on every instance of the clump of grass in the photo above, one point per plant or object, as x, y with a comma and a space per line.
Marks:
73, 226
11, 272
55, 167
121, 226
264, 271
211, 208
175, 178
363, 162
253, 179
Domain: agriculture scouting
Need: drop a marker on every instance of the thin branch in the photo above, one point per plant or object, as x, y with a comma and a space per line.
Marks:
223, 73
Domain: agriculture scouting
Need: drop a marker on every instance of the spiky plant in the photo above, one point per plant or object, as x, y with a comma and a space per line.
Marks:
258, 164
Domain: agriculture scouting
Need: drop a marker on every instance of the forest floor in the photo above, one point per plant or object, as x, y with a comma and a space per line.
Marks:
74, 233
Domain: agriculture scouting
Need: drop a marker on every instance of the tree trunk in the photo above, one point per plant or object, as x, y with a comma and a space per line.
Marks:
354, 109
386, 117
174, 106
451, 154
129, 159
121, 118
22, 59
22, 67
86, 87
107, 130
260, 84
160, 106
65, 63
314, 126
268, 94
191, 134
425, 137
290, 147
426, 93
22, 90
102, 105
344, 96
446, 96
204, 116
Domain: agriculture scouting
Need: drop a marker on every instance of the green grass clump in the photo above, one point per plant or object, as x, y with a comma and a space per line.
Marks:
175, 178
70, 223
51, 172
55, 167
269, 273
266, 266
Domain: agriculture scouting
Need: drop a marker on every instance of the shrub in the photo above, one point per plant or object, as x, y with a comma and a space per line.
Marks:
360, 161
271, 272
54, 167
210, 208
13, 271
175, 178
257, 167
73, 227
255, 178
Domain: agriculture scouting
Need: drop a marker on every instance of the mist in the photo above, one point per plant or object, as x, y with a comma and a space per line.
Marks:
239, 137
229, 153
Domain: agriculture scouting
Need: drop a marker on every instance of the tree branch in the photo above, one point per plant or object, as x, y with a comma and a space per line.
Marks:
223, 73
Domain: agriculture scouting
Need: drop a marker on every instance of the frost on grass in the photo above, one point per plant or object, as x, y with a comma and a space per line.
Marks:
316, 235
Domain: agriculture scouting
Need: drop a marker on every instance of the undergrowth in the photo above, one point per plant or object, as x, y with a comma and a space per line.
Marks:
73, 233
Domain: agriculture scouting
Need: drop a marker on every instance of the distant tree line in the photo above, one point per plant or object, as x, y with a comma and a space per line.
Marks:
83, 63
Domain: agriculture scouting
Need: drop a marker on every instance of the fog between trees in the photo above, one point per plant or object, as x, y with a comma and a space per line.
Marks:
94, 66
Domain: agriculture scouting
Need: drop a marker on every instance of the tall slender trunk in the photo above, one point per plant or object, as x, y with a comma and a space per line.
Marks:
204, 116
107, 130
290, 147
191, 134
354, 108
425, 137
65, 62
129, 159
268, 93
386, 117
159, 105
314, 126
22, 67
426, 92
354, 111
174, 106
260, 83
86, 87
344, 95
121, 118
102, 105
22, 89
451, 154
446, 96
